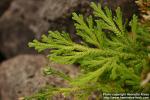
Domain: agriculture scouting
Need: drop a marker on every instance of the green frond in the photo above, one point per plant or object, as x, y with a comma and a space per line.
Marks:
39, 46
86, 30
107, 21
50, 71
119, 21
134, 26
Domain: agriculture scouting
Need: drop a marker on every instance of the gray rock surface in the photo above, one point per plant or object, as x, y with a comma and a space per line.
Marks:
22, 76
14, 37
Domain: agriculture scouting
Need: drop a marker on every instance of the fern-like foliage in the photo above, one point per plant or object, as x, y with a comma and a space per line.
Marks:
111, 57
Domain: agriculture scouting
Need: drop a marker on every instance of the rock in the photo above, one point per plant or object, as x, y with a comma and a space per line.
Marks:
14, 37
37, 13
22, 76
4, 4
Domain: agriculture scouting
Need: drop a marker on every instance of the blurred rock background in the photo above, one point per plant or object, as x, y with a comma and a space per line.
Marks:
23, 20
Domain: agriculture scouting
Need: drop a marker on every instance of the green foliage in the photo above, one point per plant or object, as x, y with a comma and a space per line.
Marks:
50, 71
112, 58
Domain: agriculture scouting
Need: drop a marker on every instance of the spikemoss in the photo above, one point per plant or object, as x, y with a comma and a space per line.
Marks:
112, 58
